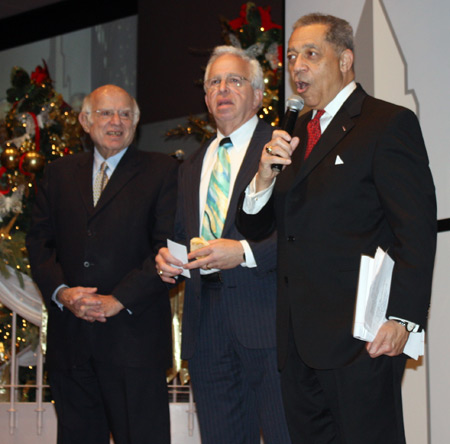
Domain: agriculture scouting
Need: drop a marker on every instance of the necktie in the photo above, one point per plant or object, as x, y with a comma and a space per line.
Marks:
217, 198
101, 179
314, 133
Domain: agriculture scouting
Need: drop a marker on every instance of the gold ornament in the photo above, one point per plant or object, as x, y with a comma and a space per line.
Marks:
10, 158
33, 162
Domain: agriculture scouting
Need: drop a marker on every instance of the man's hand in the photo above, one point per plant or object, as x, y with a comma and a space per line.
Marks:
220, 253
164, 261
278, 151
390, 340
110, 305
83, 302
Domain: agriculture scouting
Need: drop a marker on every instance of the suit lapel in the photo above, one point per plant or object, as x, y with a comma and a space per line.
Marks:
127, 168
340, 126
84, 181
248, 169
191, 185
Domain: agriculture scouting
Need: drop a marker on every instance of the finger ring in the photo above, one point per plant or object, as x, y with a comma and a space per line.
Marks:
160, 272
269, 150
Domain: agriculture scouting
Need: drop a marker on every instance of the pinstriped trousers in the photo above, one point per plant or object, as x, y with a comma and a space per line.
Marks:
236, 389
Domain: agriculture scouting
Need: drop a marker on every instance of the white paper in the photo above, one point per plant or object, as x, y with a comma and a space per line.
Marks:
179, 251
375, 275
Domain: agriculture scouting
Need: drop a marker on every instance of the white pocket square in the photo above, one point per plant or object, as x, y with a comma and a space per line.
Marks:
339, 161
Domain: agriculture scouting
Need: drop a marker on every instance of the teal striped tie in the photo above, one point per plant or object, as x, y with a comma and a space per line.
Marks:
217, 199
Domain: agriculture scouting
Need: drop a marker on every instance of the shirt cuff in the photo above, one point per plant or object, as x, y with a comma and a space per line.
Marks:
410, 324
55, 294
255, 201
249, 261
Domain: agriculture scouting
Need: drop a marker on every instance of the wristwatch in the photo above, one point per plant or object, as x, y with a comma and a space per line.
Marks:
410, 326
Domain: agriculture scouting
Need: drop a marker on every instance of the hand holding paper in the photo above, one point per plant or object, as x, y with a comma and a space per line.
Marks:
375, 275
180, 252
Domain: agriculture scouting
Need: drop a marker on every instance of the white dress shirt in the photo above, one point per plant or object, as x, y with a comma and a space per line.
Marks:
240, 139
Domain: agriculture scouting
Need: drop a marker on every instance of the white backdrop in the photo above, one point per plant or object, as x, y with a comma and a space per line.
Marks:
401, 58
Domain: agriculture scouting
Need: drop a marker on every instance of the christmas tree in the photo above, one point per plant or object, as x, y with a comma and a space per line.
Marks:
39, 127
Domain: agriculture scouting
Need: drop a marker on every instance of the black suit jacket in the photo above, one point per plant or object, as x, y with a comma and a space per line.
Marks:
112, 247
250, 292
366, 184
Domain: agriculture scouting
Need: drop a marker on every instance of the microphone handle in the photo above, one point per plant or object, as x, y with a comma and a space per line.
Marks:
288, 125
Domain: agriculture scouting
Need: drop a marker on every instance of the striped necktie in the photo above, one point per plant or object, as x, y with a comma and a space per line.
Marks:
217, 198
101, 179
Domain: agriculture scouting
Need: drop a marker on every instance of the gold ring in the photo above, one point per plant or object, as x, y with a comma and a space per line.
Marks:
160, 272
269, 150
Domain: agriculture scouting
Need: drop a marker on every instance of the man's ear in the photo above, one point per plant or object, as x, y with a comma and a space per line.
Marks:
207, 103
346, 60
83, 118
257, 98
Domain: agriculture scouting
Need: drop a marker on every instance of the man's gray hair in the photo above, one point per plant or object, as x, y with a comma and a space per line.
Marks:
256, 74
339, 34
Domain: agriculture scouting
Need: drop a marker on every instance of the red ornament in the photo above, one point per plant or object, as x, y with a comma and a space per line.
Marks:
40, 74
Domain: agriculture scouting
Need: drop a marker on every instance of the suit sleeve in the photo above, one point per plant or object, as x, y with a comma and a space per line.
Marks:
255, 227
405, 186
265, 253
141, 285
40, 242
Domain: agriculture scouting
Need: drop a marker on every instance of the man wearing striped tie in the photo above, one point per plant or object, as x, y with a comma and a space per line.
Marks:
229, 311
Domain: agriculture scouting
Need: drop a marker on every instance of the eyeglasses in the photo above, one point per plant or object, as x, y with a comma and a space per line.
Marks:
107, 114
231, 80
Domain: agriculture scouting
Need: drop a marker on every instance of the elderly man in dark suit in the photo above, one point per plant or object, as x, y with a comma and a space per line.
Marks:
229, 311
364, 183
99, 219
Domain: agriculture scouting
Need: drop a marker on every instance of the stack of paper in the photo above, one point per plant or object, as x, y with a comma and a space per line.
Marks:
372, 299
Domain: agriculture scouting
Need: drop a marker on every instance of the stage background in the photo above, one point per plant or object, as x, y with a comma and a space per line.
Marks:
157, 51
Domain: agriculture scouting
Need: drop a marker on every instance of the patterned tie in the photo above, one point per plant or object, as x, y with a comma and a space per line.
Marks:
101, 179
217, 198
314, 133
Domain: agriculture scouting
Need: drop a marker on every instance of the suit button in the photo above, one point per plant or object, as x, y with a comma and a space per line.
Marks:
291, 238
86, 264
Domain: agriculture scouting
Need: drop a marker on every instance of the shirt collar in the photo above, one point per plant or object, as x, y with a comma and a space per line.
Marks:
112, 161
333, 107
240, 137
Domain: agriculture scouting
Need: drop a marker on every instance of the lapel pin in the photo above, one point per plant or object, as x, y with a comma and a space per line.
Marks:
344, 128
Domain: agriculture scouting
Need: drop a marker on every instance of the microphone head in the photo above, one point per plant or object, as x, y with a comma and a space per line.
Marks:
295, 103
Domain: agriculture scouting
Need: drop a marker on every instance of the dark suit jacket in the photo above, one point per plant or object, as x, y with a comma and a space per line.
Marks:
366, 184
250, 292
112, 247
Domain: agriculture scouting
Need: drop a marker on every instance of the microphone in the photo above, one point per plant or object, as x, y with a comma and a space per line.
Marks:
294, 105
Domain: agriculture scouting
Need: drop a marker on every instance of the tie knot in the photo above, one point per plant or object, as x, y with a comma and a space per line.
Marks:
226, 142
319, 114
